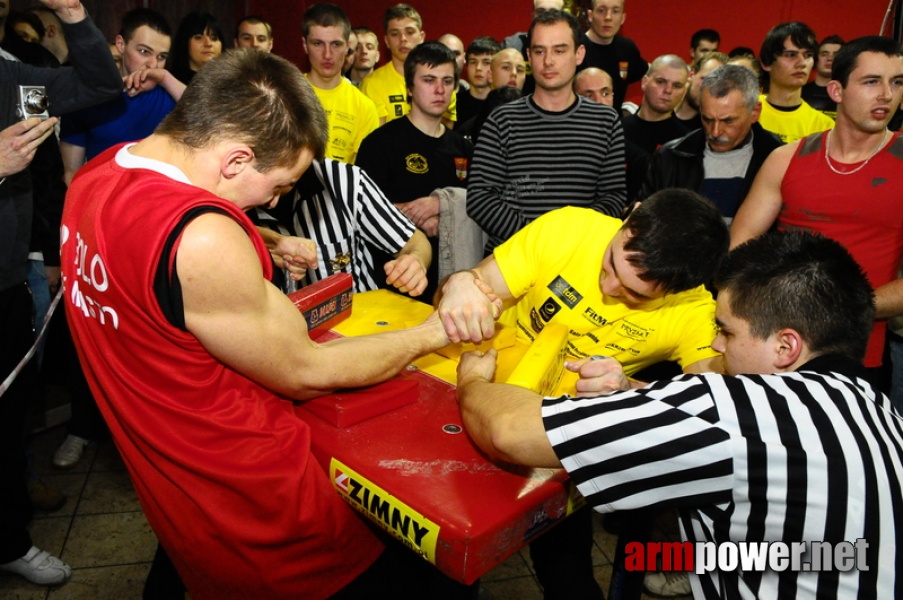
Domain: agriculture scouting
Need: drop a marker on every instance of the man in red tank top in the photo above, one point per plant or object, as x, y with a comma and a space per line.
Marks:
846, 183
193, 355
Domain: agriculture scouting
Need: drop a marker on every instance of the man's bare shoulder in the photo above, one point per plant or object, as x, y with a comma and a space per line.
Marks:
784, 153
216, 256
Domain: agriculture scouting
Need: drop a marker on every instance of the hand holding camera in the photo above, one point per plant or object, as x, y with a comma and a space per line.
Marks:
33, 102
19, 141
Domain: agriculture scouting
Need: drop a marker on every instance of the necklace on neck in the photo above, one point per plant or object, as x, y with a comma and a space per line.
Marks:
865, 162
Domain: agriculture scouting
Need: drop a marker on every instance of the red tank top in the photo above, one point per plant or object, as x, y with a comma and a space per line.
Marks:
862, 210
222, 466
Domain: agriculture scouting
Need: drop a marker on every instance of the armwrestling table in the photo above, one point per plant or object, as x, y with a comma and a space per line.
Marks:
398, 454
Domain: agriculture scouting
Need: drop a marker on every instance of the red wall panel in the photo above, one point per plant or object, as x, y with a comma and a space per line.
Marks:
657, 27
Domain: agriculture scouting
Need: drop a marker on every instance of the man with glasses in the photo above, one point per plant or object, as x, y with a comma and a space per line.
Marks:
352, 116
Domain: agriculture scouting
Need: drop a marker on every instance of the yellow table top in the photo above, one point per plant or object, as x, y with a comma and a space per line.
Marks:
538, 366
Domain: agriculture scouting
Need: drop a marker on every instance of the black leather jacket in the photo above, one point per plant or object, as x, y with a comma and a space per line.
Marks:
678, 164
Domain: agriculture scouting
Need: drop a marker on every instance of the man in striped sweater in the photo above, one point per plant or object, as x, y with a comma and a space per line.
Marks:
550, 149
794, 454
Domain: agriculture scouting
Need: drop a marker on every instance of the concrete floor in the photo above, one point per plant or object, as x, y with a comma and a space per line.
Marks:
102, 534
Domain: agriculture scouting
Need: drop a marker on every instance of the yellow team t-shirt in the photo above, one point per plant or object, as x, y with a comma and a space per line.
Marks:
385, 86
795, 124
351, 116
554, 264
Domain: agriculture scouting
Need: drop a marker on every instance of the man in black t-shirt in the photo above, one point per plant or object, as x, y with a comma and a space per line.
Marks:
815, 93
605, 49
411, 157
477, 64
663, 89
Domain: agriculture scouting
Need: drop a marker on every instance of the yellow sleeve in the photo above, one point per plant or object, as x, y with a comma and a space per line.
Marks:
532, 250
452, 113
368, 121
372, 88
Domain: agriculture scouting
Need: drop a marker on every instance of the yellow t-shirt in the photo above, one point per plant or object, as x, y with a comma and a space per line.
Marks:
795, 124
554, 264
385, 86
351, 116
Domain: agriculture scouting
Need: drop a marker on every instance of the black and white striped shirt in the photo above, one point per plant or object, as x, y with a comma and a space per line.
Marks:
339, 207
814, 455
528, 162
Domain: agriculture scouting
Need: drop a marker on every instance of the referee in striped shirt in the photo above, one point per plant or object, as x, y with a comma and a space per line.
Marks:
794, 446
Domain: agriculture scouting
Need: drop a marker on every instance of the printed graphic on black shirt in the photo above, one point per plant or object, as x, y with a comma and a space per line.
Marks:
416, 163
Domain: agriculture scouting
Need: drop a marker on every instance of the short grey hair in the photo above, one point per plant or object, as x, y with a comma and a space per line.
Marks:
727, 78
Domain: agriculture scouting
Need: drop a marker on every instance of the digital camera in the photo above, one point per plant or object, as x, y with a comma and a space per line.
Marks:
33, 102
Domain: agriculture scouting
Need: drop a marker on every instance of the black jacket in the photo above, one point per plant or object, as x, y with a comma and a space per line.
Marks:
92, 79
678, 163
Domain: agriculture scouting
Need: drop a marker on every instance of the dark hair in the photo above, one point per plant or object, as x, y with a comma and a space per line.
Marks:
552, 16
139, 17
848, 56
401, 11
254, 97
773, 44
804, 282
482, 45
831, 39
326, 14
40, 8
255, 20
430, 54
27, 17
704, 34
742, 51
191, 25
677, 239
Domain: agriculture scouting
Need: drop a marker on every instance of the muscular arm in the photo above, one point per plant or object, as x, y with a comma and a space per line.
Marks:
505, 421
763, 203
253, 328
465, 310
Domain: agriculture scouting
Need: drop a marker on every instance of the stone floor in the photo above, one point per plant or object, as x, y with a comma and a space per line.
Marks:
103, 535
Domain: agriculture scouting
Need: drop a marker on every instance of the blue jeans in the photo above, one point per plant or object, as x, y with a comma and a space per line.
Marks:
40, 293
